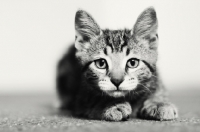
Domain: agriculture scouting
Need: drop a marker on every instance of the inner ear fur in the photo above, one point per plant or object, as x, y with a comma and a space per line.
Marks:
146, 27
86, 29
85, 25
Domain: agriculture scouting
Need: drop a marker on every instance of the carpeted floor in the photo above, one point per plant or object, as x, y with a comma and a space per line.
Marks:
36, 113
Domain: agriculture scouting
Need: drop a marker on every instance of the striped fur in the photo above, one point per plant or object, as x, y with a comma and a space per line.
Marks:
117, 90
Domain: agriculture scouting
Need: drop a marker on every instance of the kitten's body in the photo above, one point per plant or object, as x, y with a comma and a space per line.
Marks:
99, 78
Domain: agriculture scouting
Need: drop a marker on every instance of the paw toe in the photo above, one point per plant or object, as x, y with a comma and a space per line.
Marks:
113, 115
167, 112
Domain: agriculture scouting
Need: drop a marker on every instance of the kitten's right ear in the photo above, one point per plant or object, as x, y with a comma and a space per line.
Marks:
86, 29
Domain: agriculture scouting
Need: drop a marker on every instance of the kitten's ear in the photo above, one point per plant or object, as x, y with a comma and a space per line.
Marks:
146, 27
86, 29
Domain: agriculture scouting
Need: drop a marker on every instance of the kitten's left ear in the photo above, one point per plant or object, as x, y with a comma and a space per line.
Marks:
146, 27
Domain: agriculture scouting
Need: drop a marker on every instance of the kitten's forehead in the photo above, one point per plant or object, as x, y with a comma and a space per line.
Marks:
117, 39
116, 60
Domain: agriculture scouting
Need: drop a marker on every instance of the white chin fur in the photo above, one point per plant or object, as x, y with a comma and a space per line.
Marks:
116, 94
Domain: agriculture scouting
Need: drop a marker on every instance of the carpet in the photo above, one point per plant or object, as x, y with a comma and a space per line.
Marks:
37, 113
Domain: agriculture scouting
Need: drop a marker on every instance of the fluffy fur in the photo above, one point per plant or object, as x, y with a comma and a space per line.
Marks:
112, 74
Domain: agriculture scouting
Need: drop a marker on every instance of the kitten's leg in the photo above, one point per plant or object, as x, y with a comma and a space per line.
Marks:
158, 108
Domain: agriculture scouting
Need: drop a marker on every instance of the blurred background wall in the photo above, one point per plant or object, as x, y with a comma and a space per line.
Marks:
34, 34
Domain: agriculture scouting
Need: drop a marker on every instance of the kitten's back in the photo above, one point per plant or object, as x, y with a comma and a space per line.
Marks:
68, 77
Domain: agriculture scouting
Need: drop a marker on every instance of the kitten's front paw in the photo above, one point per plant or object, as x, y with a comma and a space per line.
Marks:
117, 112
159, 111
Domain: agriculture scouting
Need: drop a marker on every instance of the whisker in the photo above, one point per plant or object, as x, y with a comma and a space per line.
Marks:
143, 91
146, 79
154, 76
146, 88
129, 94
136, 92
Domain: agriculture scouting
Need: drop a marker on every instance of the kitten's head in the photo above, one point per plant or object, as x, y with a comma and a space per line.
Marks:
116, 61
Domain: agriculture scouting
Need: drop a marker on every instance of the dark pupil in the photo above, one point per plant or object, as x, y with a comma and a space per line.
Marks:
101, 63
132, 62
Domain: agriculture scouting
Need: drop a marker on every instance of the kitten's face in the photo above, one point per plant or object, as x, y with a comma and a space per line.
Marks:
116, 70
116, 61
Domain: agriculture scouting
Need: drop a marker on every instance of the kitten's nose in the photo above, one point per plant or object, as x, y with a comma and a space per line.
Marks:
116, 82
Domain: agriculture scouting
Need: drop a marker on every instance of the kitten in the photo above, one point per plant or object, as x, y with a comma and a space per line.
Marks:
112, 74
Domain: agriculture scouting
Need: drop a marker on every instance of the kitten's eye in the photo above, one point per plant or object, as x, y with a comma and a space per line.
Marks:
132, 63
101, 63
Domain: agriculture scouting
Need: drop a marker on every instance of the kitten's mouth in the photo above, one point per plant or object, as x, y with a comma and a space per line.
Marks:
117, 93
